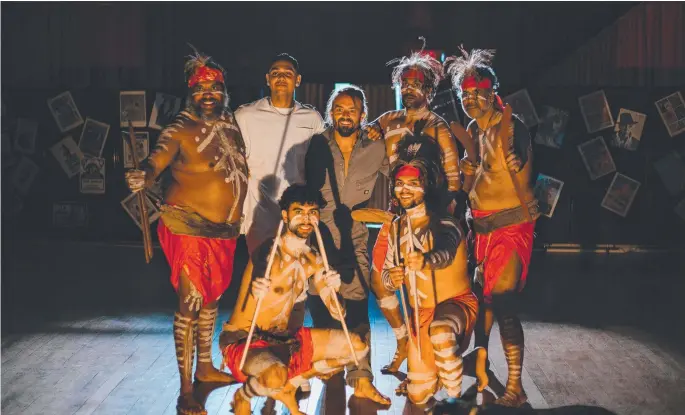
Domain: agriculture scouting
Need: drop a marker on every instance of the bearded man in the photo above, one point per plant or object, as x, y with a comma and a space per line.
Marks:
279, 360
417, 76
344, 164
201, 215
504, 211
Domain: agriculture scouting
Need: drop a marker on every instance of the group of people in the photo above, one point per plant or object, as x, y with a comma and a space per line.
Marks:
298, 188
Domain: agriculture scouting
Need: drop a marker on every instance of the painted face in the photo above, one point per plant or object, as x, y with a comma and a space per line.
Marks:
347, 115
208, 96
412, 89
409, 191
477, 102
301, 219
282, 78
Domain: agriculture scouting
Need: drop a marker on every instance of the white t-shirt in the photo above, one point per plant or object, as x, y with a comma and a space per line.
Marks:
277, 140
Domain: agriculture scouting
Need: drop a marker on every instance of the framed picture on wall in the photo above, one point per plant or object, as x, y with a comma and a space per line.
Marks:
69, 214
596, 112
672, 112
547, 191
142, 150
25, 136
597, 158
621, 194
93, 137
552, 127
64, 111
132, 107
68, 155
445, 104
628, 129
24, 174
522, 105
671, 169
164, 110
131, 206
93, 176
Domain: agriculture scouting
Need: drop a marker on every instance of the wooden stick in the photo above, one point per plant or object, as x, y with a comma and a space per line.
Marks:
142, 198
504, 136
259, 302
410, 246
319, 239
407, 320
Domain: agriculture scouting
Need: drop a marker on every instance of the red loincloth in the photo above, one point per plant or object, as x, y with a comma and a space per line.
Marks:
380, 248
208, 262
300, 361
468, 302
498, 246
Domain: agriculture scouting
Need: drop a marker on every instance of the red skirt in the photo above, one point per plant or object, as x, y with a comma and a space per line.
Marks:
300, 361
207, 262
497, 247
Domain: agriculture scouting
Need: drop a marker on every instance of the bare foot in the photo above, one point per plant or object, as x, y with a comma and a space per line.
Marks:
365, 389
241, 406
399, 357
208, 373
512, 398
481, 368
187, 405
401, 389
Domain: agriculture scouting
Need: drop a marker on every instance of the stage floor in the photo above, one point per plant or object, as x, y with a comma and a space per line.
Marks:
87, 330
125, 364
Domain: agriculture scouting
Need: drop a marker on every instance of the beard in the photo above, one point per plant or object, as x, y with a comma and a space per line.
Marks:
346, 131
413, 100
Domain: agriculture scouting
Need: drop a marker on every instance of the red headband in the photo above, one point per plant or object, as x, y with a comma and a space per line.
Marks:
205, 73
413, 73
408, 170
472, 82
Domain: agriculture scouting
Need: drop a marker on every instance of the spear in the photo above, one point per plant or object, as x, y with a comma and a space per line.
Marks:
142, 197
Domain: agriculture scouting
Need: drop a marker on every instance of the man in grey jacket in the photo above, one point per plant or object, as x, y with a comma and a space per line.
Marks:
343, 163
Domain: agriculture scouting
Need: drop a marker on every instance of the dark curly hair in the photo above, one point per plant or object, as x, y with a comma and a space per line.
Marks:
422, 152
303, 194
352, 91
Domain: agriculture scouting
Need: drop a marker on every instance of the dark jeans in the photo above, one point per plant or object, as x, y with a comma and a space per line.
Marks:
357, 319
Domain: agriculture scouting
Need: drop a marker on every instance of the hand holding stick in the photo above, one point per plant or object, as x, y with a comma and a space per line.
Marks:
504, 136
319, 239
407, 321
412, 274
142, 197
259, 301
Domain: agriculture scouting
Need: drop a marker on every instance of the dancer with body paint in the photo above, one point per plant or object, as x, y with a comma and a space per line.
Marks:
344, 164
278, 361
427, 253
201, 216
504, 211
417, 76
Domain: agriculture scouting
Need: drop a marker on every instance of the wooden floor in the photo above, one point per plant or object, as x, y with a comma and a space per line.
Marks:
87, 330
125, 364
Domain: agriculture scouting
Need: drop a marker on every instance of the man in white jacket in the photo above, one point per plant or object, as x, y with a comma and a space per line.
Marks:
276, 130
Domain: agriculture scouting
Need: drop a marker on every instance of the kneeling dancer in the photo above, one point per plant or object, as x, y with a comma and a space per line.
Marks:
427, 252
276, 276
